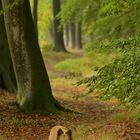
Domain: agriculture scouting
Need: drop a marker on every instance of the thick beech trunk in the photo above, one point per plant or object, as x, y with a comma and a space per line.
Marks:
7, 77
78, 38
58, 31
34, 90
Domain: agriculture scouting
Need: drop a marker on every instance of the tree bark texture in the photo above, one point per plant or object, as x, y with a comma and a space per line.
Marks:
58, 31
7, 76
34, 90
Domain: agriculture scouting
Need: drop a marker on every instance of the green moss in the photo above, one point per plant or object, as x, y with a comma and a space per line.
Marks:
78, 65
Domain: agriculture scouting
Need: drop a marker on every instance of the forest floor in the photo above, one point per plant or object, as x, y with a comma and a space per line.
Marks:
97, 120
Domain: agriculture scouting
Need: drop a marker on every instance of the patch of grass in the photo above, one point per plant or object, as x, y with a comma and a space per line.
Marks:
64, 88
88, 132
64, 95
102, 57
126, 116
120, 117
108, 137
136, 115
83, 132
51, 57
78, 65
62, 81
1, 137
88, 64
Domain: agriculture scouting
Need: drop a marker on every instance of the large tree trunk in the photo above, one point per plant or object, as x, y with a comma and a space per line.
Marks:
7, 77
34, 90
35, 15
71, 35
58, 31
78, 38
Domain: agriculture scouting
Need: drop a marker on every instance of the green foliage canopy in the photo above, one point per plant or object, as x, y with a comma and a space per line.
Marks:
116, 26
120, 79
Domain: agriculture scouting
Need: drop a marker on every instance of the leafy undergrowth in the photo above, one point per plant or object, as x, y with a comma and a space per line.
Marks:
97, 120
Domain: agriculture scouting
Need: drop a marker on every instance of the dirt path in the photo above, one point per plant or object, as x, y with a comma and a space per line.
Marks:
94, 123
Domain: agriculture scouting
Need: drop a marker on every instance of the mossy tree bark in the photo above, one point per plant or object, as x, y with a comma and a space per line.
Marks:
34, 91
58, 30
7, 77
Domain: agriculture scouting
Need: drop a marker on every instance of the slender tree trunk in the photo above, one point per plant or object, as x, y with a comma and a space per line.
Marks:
34, 90
78, 38
71, 35
51, 31
66, 35
7, 77
58, 31
35, 15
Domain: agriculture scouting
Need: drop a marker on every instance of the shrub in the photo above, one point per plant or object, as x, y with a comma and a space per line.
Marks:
120, 79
